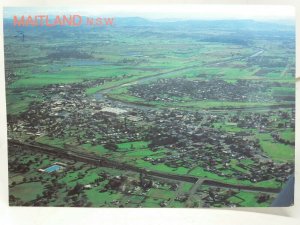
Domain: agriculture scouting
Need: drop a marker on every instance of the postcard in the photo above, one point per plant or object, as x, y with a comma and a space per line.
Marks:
146, 107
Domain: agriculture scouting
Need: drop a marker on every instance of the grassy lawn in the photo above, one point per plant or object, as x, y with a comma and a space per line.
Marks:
101, 198
19, 102
98, 149
201, 173
177, 204
151, 202
130, 152
70, 178
277, 151
229, 127
136, 199
89, 178
17, 179
137, 154
56, 142
133, 145
186, 187
160, 167
161, 194
287, 134
233, 165
27, 191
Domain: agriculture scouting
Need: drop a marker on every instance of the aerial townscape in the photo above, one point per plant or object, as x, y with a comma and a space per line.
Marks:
145, 113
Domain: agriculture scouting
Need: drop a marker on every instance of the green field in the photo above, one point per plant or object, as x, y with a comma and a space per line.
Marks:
277, 151
204, 100
27, 191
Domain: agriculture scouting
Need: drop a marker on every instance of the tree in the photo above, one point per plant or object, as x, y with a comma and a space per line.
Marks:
76, 190
111, 146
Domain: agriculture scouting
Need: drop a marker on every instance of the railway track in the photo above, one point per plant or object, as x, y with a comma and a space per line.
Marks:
104, 162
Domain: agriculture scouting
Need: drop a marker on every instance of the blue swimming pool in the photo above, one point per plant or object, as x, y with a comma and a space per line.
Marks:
53, 168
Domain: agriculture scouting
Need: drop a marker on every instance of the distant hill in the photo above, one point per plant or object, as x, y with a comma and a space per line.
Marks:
217, 24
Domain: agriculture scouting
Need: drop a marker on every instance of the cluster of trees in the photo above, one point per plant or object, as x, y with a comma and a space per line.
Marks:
281, 140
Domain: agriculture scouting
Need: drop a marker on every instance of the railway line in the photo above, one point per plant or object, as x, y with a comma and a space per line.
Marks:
104, 162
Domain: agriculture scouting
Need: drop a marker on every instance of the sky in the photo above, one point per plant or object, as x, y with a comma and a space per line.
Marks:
183, 11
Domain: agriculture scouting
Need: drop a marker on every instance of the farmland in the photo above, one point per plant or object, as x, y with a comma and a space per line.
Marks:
155, 114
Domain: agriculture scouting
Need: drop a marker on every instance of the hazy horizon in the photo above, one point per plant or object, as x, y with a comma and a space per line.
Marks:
169, 12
